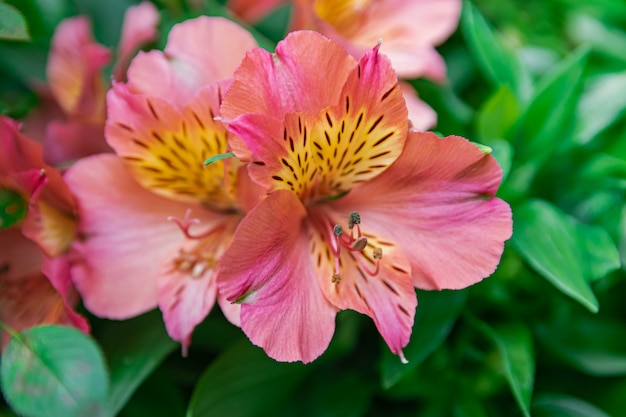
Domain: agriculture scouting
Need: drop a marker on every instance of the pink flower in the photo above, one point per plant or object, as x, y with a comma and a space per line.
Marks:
34, 287
252, 11
70, 121
360, 209
155, 221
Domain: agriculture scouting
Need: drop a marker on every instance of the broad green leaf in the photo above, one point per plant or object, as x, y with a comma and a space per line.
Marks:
604, 38
592, 345
12, 24
602, 104
244, 382
52, 371
436, 314
499, 64
497, 115
134, 348
567, 253
565, 406
517, 362
549, 119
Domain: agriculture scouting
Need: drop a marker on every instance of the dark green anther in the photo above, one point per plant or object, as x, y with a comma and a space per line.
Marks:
13, 208
337, 230
354, 218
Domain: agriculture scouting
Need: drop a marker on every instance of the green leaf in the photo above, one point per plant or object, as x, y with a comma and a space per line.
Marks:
503, 152
593, 345
565, 406
566, 252
12, 24
497, 116
51, 371
602, 104
244, 382
436, 314
517, 362
499, 64
134, 348
549, 118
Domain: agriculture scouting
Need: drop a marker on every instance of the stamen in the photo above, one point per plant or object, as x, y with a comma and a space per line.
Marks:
337, 230
354, 218
186, 224
378, 253
359, 244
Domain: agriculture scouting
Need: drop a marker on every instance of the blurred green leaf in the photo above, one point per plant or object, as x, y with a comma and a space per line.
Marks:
12, 208
550, 117
436, 314
593, 345
515, 347
12, 24
499, 64
601, 105
52, 371
244, 382
587, 29
134, 348
565, 406
567, 253
497, 115
503, 152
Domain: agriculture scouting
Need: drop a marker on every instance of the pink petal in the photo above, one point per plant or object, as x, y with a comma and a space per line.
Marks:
70, 141
27, 298
231, 311
305, 74
386, 295
268, 269
139, 28
196, 55
74, 70
126, 238
186, 296
421, 115
252, 11
436, 202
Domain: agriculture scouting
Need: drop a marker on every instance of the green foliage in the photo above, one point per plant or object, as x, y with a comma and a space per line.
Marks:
50, 371
12, 24
12, 208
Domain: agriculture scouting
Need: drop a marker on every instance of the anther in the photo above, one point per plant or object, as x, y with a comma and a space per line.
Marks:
359, 244
353, 218
336, 279
338, 230
378, 253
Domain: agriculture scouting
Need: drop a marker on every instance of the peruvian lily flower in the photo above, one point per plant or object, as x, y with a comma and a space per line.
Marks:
70, 121
155, 221
360, 209
34, 287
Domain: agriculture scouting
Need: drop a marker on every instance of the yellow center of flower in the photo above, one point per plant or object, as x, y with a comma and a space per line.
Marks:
345, 145
170, 161
344, 15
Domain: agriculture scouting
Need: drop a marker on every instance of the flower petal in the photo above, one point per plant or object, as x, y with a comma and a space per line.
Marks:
69, 141
186, 286
382, 289
74, 70
165, 148
252, 11
437, 203
305, 74
268, 269
421, 115
124, 229
195, 56
139, 28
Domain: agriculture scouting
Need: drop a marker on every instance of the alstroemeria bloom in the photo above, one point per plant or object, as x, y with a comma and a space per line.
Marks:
34, 288
155, 221
360, 209
70, 120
